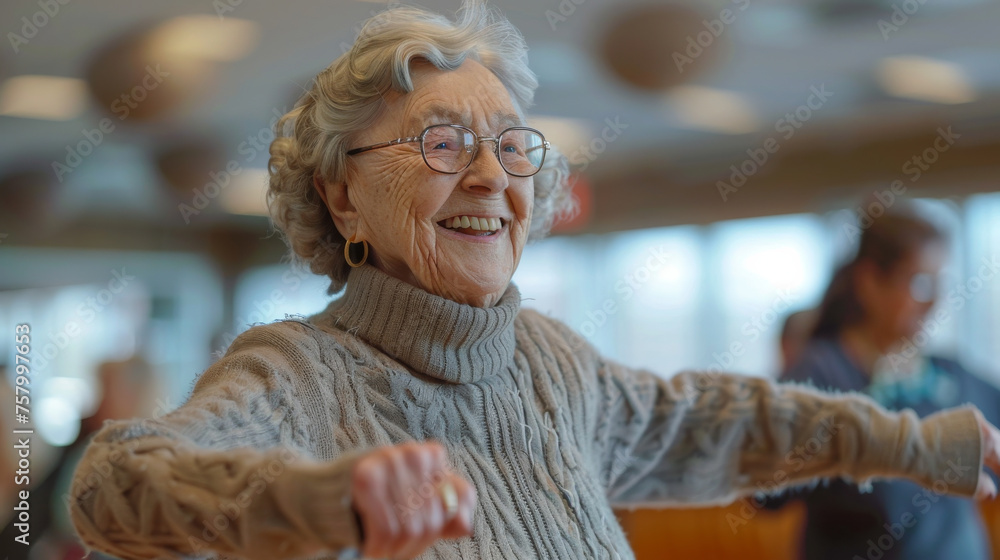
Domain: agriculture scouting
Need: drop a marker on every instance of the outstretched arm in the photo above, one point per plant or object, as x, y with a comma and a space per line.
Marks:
704, 437
226, 472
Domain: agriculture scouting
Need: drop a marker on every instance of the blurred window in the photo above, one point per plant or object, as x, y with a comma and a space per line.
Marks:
270, 293
721, 293
91, 307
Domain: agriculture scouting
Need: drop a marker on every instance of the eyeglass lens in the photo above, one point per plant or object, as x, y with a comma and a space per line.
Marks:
450, 149
923, 287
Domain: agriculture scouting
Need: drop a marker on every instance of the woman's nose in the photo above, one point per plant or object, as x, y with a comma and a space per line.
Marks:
486, 172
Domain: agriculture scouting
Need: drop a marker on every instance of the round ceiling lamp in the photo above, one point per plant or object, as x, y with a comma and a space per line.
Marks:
654, 48
134, 78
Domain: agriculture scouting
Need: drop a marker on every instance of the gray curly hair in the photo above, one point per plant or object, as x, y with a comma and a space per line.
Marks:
347, 97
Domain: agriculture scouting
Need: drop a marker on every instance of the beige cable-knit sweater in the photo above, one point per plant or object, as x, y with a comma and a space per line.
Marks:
257, 462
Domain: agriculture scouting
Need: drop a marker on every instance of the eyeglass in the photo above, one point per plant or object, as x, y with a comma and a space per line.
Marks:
451, 148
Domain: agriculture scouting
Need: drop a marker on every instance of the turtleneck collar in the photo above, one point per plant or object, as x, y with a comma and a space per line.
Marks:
438, 337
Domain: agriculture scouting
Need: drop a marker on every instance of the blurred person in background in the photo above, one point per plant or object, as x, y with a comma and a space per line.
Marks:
424, 412
866, 340
796, 332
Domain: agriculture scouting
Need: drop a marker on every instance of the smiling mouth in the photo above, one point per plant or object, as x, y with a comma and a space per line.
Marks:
474, 225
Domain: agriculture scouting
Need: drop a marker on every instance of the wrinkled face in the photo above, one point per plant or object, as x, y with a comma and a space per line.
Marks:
406, 211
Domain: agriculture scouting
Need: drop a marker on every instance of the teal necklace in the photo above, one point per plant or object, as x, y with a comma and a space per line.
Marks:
929, 384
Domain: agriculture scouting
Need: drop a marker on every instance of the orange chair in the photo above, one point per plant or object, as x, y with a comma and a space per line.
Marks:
737, 531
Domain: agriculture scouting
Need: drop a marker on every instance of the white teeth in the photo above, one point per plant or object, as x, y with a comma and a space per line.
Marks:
473, 222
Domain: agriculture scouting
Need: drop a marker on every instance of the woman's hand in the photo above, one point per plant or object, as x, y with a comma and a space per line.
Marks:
403, 494
991, 458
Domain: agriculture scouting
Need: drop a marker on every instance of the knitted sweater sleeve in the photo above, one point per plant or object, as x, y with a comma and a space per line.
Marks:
228, 472
712, 437
709, 437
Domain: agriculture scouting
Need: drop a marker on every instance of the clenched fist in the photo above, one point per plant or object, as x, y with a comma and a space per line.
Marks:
407, 498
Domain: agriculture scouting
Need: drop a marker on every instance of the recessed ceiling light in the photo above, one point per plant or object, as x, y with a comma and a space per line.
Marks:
205, 37
924, 79
43, 97
713, 110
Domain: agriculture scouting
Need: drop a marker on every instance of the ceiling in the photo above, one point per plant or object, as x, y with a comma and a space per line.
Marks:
769, 60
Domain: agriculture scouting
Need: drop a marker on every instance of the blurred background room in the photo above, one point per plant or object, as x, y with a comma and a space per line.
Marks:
728, 155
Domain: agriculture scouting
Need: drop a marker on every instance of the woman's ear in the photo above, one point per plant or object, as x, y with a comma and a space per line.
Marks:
338, 203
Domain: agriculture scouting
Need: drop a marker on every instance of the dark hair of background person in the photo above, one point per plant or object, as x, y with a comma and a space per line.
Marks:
888, 241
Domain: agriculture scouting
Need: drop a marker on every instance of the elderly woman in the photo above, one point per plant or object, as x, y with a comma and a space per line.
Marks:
424, 412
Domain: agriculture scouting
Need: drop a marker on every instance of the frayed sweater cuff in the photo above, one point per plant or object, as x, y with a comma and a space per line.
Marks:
942, 452
955, 444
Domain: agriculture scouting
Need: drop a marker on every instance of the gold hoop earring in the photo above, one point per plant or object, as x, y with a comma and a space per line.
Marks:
347, 253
